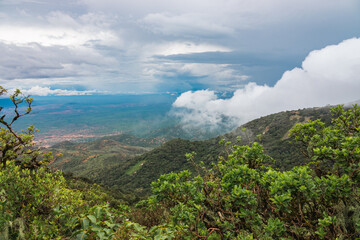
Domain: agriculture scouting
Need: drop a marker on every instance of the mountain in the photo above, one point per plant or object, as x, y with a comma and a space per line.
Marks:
130, 163
170, 157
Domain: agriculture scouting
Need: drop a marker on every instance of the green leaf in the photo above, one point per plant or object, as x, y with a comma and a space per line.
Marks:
108, 231
98, 212
101, 235
92, 219
81, 236
110, 225
138, 228
84, 223
96, 228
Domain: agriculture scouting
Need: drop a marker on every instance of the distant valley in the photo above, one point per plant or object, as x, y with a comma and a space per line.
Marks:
86, 118
131, 163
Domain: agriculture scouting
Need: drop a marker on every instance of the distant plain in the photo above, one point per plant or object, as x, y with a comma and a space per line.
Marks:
86, 118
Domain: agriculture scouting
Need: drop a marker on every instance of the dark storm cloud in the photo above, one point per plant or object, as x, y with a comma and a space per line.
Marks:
140, 45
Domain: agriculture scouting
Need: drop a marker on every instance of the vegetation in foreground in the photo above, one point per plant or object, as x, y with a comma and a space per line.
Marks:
239, 197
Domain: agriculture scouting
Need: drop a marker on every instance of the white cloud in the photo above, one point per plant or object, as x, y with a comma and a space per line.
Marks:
224, 15
58, 47
328, 76
57, 18
218, 76
56, 35
185, 24
40, 62
156, 66
46, 91
218, 16
118, 42
173, 48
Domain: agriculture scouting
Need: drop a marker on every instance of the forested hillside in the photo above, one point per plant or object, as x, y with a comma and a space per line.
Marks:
126, 162
239, 197
273, 131
95, 159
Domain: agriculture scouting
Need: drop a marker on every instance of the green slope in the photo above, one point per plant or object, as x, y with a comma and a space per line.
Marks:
274, 130
170, 157
94, 159
114, 162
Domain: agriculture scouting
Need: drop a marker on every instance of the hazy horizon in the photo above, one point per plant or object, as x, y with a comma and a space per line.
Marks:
227, 61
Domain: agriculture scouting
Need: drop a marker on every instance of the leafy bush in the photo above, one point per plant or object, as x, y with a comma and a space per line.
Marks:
35, 204
99, 224
241, 198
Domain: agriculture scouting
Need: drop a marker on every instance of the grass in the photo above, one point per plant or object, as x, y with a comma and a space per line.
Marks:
134, 168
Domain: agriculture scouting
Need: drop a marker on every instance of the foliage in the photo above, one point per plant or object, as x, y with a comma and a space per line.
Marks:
99, 224
138, 232
36, 203
337, 146
98, 194
37, 199
240, 196
19, 147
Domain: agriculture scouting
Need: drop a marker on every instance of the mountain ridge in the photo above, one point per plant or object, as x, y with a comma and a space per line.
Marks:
134, 167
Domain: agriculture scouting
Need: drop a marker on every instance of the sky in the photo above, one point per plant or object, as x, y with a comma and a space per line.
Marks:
264, 52
328, 76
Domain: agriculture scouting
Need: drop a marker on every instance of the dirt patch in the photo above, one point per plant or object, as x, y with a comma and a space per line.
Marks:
89, 157
266, 130
297, 117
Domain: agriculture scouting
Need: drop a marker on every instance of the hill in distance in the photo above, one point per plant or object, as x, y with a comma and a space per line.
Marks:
94, 159
130, 163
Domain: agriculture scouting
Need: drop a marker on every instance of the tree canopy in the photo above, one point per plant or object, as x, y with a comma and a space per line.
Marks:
241, 198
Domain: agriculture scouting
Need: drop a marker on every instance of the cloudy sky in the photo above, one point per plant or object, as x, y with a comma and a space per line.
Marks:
272, 54
164, 45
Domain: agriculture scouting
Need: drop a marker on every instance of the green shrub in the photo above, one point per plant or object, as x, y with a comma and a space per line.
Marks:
38, 201
240, 198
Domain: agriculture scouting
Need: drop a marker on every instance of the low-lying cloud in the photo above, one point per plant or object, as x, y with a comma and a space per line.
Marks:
328, 76
46, 91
